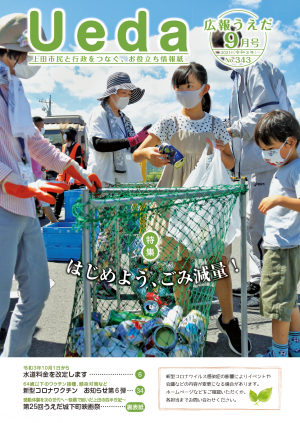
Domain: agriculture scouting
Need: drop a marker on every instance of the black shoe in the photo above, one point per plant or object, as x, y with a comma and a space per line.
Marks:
3, 334
233, 333
105, 291
252, 289
253, 302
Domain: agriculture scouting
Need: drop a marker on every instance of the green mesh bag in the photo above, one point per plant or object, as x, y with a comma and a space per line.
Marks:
155, 258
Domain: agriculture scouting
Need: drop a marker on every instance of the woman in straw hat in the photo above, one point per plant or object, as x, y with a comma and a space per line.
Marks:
22, 250
112, 138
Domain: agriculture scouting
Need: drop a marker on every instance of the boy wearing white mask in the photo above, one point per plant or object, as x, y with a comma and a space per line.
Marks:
188, 131
278, 134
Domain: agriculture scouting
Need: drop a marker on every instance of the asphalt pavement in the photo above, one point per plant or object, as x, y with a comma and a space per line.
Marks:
52, 328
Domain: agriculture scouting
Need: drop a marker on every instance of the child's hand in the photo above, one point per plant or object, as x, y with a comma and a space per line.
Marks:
219, 145
155, 158
210, 144
268, 203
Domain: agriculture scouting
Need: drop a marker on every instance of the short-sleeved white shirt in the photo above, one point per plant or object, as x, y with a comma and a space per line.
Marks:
102, 163
166, 127
282, 225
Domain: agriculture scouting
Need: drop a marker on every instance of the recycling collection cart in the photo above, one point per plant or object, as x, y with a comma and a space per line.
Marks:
151, 258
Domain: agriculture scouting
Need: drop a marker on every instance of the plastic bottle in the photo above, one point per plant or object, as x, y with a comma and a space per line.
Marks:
173, 317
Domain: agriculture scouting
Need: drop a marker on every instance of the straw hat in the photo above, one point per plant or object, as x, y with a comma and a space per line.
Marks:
13, 32
121, 80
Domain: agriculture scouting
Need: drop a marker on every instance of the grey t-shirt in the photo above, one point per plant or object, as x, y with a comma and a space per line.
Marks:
282, 225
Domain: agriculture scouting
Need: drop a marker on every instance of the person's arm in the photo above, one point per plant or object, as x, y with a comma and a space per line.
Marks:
262, 98
148, 151
226, 153
78, 155
105, 145
36, 169
269, 203
222, 143
226, 156
42, 151
49, 213
4, 171
14, 185
99, 134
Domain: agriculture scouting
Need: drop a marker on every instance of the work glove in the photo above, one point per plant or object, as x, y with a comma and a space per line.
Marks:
78, 173
139, 137
14, 185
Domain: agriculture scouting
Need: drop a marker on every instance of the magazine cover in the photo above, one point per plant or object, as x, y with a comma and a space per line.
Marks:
149, 210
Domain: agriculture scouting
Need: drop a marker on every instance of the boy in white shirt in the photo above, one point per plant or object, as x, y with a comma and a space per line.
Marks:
278, 134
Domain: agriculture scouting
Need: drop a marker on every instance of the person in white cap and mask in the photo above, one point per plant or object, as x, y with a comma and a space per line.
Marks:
22, 250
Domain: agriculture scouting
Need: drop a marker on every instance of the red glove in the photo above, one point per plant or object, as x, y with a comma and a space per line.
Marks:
14, 185
78, 173
139, 137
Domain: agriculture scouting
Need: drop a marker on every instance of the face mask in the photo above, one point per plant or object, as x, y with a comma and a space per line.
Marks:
273, 157
24, 71
65, 137
221, 65
42, 131
189, 99
121, 103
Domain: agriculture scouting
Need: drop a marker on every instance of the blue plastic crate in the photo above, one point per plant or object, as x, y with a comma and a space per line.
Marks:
70, 198
62, 242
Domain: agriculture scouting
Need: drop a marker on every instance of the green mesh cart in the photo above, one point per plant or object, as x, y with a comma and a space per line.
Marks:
151, 258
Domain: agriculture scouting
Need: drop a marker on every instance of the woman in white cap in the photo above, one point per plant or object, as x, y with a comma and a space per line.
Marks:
22, 250
112, 138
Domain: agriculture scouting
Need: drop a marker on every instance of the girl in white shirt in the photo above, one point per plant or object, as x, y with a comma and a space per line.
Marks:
189, 130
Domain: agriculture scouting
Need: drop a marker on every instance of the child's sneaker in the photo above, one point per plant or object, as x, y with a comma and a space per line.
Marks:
105, 291
294, 346
270, 353
233, 333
